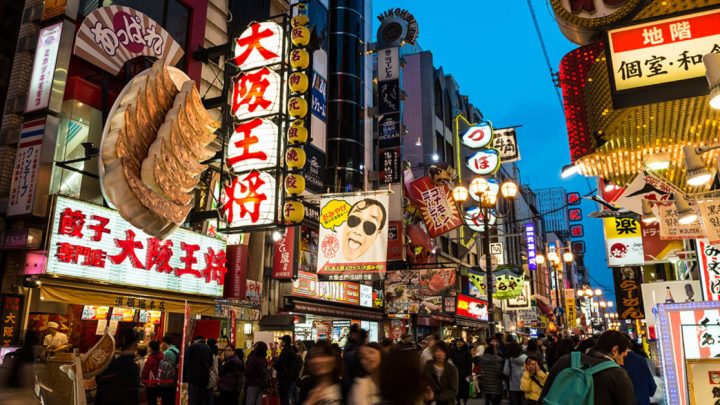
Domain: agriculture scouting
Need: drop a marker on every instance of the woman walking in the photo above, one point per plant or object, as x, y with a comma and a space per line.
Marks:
442, 375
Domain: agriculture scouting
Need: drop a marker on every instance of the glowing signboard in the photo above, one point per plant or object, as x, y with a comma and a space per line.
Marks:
94, 243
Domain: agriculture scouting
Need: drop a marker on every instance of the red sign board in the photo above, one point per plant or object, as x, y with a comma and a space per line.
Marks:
573, 198
470, 307
577, 231
578, 247
575, 214
236, 277
437, 206
395, 245
307, 285
285, 260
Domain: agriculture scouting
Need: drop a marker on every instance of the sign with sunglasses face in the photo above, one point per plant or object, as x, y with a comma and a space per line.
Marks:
353, 236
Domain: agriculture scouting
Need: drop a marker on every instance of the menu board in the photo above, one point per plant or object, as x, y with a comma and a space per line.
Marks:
94, 313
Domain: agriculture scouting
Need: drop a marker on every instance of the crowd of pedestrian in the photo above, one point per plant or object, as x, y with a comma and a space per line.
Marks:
402, 372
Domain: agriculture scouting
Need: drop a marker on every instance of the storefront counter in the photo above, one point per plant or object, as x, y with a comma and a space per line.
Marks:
49, 373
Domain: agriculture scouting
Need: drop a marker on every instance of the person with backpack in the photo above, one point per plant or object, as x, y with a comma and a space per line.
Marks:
513, 370
595, 377
150, 374
256, 374
533, 380
231, 374
168, 371
287, 366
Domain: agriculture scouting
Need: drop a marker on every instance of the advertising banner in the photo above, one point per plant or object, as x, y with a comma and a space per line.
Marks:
505, 141
520, 302
709, 267
570, 309
314, 172
644, 186
531, 249
41, 80
307, 285
669, 292
627, 292
710, 213
389, 97
656, 249
390, 165
353, 236
389, 64
662, 51
236, 278
111, 36
437, 206
389, 131
27, 164
418, 291
94, 243
285, 257
671, 229
470, 307
623, 242
395, 245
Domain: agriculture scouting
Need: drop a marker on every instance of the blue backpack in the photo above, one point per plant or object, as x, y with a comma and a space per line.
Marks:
575, 385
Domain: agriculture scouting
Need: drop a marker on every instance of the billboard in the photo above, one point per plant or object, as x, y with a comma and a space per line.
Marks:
353, 236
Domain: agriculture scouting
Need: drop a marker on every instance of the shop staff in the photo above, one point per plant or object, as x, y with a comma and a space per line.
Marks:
55, 340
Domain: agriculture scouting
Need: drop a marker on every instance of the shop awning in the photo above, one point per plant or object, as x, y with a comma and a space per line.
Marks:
277, 322
78, 292
336, 310
471, 323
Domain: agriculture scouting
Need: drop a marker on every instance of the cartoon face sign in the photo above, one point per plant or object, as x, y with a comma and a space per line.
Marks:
618, 250
365, 220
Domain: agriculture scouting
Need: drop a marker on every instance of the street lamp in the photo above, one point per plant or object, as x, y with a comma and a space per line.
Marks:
568, 257
589, 292
598, 292
482, 191
539, 259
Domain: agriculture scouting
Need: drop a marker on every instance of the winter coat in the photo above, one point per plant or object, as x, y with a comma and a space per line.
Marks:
462, 359
149, 374
490, 379
255, 370
446, 386
283, 363
642, 379
197, 363
612, 386
513, 369
119, 384
530, 387
231, 374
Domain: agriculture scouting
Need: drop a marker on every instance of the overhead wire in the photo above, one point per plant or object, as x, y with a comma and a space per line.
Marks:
545, 52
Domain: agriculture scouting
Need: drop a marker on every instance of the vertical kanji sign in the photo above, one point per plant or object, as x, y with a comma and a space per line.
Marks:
11, 312
627, 292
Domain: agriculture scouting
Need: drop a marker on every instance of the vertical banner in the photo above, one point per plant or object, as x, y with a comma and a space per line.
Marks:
233, 327
709, 262
27, 164
570, 310
236, 276
353, 236
530, 239
505, 141
285, 257
623, 242
627, 293
710, 212
11, 313
41, 81
396, 246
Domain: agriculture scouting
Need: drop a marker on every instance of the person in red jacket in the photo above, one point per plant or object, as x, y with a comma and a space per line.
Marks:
149, 374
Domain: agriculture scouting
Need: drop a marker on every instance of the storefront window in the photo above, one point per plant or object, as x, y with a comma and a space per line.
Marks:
80, 124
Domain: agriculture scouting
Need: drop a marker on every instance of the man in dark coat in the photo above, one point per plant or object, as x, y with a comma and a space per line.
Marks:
287, 370
611, 386
463, 362
196, 367
641, 377
119, 384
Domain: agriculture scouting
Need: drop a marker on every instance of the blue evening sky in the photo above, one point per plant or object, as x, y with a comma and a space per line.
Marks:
492, 50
